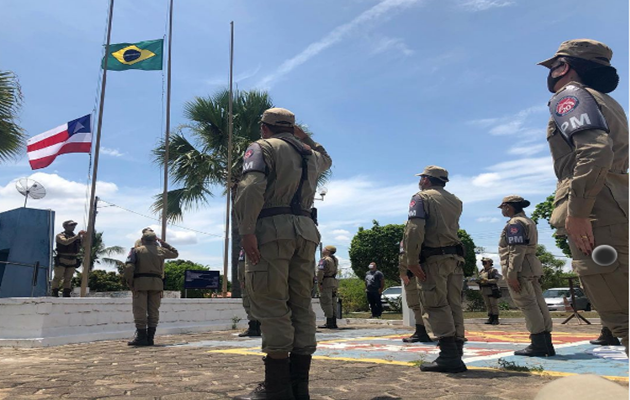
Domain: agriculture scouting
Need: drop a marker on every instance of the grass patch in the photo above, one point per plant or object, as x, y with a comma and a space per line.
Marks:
418, 363
512, 366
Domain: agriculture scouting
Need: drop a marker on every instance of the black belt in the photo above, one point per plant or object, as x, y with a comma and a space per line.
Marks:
435, 251
270, 212
147, 275
330, 276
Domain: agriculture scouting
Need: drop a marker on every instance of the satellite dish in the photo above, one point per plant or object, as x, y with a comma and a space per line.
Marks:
30, 188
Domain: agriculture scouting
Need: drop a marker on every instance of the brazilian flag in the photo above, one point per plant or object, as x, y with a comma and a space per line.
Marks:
145, 55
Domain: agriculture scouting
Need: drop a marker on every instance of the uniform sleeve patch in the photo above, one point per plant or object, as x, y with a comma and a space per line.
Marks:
515, 234
321, 264
416, 208
402, 248
253, 160
131, 257
241, 255
574, 109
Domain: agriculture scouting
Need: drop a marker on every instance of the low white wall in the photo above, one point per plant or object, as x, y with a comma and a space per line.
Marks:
48, 321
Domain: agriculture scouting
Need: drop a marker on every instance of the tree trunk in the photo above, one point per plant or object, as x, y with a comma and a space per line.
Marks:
236, 249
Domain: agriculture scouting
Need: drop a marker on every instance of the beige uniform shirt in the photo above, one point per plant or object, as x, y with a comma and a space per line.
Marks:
491, 277
274, 185
149, 259
433, 222
591, 165
327, 268
517, 248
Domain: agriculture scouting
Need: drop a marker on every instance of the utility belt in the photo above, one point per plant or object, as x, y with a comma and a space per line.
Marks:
147, 275
273, 211
427, 252
330, 276
75, 264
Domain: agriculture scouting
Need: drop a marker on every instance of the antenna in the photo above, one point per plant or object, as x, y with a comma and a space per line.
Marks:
30, 188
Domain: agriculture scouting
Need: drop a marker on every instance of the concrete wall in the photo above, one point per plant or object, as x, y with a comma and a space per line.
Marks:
26, 236
37, 322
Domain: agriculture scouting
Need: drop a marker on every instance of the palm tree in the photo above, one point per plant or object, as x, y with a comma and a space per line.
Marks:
102, 255
199, 165
12, 136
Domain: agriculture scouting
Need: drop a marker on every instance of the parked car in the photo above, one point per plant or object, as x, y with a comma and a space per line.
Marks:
391, 295
554, 298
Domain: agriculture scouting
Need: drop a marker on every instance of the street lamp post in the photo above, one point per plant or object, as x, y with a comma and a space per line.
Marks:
322, 193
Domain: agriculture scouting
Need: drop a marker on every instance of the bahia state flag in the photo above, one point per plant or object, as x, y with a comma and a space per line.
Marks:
146, 56
72, 137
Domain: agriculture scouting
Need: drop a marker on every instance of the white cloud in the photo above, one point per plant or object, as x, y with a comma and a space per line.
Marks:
513, 124
482, 5
381, 10
223, 80
527, 150
111, 152
488, 219
340, 232
385, 44
343, 238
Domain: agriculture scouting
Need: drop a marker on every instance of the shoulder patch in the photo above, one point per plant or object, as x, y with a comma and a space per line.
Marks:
131, 257
515, 234
574, 109
402, 247
241, 255
416, 207
321, 264
253, 160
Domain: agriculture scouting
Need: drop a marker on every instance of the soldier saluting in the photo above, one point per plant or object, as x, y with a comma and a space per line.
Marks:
67, 258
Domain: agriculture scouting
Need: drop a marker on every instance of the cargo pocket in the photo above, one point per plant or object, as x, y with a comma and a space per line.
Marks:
257, 280
429, 295
560, 205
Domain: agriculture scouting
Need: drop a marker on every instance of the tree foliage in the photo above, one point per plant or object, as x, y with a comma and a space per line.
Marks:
12, 136
553, 276
381, 244
543, 211
101, 281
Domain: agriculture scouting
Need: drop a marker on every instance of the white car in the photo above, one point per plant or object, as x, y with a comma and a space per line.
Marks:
393, 295
554, 298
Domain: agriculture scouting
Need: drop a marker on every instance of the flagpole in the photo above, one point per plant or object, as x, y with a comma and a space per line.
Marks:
168, 122
87, 259
229, 167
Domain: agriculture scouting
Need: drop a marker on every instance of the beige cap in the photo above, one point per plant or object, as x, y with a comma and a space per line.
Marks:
68, 223
487, 259
435, 172
330, 248
586, 49
149, 236
278, 117
147, 229
514, 199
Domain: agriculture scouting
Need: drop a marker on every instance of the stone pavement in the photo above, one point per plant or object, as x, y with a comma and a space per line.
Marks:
219, 365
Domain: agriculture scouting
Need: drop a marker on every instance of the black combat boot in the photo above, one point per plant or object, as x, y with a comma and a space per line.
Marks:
277, 384
606, 338
334, 323
140, 339
66, 292
548, 341
55, 293
151, 336
539, 346
490, 319
460, 346
449, 359
420, 335
252, 330
300, 367
495, 319
330, 324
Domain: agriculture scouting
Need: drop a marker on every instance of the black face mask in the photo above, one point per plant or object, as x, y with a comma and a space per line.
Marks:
551, 81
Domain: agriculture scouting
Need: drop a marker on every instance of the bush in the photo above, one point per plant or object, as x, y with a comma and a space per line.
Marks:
474, 301
352, 294
504, 305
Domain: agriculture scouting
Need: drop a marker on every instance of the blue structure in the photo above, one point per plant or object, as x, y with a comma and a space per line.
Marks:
26, 238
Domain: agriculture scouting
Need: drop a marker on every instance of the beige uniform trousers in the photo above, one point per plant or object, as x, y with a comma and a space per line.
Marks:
280, 287
146, 308
441, 296
492, 304
607, 287
65, 274
328, 297
532, 303
244, 295
412, 295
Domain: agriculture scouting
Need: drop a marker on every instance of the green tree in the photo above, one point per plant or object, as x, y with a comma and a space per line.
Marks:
174, 275
101, 281
102, 255
198, 154
470, 260
553, 276
543, 211
12, 136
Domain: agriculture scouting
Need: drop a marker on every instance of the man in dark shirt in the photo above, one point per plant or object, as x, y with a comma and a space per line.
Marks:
374, 284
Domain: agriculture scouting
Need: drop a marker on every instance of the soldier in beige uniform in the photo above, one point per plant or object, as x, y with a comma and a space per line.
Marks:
144, 271
522, 271
488, 279
254, 326
412, 295
139, 241
68, 247
588, 138
328, 285
431, 234
273, 207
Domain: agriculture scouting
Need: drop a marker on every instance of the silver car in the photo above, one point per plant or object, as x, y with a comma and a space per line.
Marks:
554, 298
392, 298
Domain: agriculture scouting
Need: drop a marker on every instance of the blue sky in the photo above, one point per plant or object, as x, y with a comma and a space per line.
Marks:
387, 87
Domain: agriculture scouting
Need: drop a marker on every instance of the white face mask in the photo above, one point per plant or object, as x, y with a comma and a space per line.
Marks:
371, 266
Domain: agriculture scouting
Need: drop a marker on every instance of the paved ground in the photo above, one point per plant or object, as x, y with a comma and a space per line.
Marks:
358, 362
